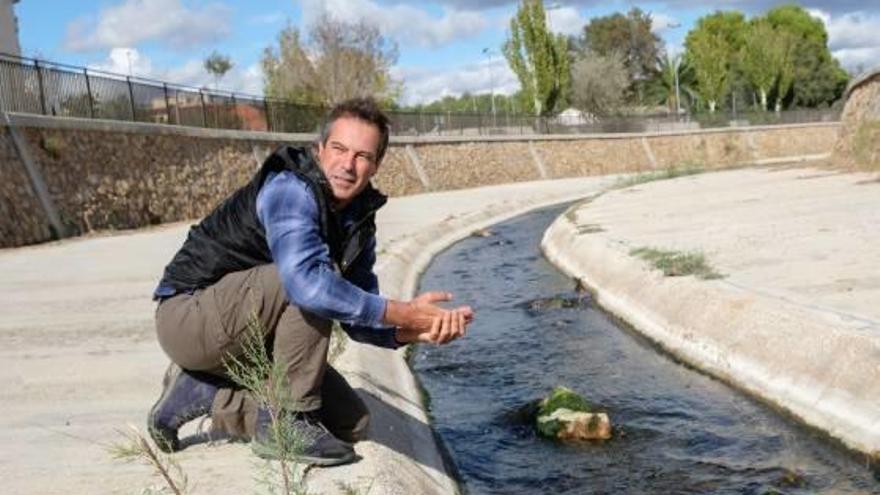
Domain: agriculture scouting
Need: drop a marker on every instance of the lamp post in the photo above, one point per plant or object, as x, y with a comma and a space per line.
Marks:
488, 52
676, 64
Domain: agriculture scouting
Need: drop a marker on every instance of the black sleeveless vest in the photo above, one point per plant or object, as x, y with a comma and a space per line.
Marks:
231, 238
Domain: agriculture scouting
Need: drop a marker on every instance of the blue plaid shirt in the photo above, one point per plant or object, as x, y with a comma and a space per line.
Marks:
289, 214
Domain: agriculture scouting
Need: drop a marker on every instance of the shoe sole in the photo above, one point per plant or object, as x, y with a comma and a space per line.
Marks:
161, 442
269, 454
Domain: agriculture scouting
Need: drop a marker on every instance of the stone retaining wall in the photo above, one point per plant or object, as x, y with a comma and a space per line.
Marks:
859, 143
119, 175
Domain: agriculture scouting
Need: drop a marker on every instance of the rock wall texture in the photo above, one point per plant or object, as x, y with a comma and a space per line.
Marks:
107, 175
859, 143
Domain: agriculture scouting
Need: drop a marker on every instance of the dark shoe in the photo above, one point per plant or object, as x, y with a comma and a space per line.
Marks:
307, 438
185, 396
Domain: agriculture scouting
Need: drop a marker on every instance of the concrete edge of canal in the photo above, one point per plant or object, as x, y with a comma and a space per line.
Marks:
414, 463
743, 338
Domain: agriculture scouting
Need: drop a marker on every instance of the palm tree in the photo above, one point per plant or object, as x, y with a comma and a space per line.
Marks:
676, 78
217, 65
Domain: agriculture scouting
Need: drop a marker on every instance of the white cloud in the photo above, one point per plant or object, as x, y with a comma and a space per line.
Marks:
661, 22
425, 85
404, 23
125, 61
852, 37
566, 20
135, 21
191, 73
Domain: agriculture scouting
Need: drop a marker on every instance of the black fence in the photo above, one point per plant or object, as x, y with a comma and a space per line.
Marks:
48, 88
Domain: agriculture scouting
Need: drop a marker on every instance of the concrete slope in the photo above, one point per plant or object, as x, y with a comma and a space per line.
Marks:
80, 358
796, 318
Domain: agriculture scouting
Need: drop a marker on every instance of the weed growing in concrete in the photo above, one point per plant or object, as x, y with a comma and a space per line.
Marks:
669, 173
53, 146
136, 448
255, 371
590, 228
349, 489
677, 263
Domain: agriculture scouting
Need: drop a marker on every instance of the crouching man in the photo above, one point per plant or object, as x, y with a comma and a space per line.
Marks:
295, 248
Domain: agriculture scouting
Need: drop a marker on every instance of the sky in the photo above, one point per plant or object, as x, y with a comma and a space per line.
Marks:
446, 47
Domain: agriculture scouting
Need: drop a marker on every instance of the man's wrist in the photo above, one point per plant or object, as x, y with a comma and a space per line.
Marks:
396, 313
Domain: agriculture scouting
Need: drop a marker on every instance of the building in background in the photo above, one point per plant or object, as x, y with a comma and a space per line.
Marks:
9, 28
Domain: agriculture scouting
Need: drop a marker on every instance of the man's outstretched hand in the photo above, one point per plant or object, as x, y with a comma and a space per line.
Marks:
422, 320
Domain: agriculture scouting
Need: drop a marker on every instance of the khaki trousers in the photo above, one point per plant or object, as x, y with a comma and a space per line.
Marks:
197, 331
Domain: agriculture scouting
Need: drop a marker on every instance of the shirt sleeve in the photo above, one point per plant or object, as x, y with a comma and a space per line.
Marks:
361, 274
289, 214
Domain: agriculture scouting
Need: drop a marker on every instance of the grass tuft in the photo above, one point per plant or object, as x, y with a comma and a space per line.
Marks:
669, 173
677, 263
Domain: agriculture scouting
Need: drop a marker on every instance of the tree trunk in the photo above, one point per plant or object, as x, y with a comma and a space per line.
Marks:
778, 105
763, 99
711, 106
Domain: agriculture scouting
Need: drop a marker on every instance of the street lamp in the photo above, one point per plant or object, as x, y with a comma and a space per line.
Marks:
488, 52
128, 57
676, 61
676, 65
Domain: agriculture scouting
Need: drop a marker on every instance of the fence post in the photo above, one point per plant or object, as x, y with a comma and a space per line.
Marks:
167, 103
204, 112
266, 113
235, 111
131, 98
40, 83
89, 91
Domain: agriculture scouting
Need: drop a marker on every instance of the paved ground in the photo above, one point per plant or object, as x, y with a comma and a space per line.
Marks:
796, 318
797, 246
80, 358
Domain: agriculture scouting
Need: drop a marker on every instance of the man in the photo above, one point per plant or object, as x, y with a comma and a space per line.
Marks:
295, 248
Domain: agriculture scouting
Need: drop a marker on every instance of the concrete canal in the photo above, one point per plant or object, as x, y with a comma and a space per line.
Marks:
675, 430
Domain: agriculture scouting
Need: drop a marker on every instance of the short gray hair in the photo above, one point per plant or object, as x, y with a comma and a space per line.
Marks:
365, 109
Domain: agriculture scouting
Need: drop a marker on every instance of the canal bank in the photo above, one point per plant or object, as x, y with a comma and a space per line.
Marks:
674, 429
81, 359
794, 318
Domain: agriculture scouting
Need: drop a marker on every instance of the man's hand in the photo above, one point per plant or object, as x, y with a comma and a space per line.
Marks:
422, 320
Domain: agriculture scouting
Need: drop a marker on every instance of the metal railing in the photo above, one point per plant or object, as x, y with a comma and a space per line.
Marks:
49, 88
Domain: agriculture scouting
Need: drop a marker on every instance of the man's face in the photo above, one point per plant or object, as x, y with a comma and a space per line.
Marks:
348, 157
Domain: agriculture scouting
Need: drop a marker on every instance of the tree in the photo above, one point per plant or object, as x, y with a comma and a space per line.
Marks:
469, 103
630, 36
818, 77
662, 89
217, 65
599, 82
289, 73
341, 60
712, 47
765, 58
538, 58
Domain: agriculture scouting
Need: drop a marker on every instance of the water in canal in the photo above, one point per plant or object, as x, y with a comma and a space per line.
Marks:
676, 430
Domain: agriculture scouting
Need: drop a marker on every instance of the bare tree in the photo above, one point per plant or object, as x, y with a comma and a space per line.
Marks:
341, 60
599, 83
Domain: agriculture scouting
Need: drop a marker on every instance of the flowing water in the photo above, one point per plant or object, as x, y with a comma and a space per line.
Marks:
675, 429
